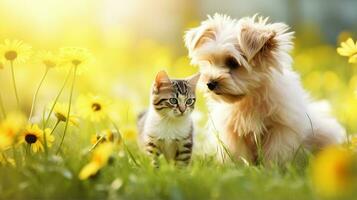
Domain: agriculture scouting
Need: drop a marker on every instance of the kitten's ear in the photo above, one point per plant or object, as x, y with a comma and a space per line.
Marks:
192, 80
259, 40
161, 78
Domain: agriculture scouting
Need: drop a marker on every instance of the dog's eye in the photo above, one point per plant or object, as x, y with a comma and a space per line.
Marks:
173, 100
231, 62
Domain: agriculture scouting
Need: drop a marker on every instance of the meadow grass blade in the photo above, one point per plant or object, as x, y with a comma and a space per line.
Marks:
260, 156
57, 97
125, 146
220, 141
96, 144
5, 158
14, 153
3, 111
301, 145
55, 126
69, 108
43, 117
44, 136
14, 84
36, 93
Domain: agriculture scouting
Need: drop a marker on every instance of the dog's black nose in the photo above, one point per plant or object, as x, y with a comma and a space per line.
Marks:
212, 85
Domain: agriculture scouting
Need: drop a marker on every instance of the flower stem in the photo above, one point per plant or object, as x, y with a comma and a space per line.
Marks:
126, 148
96, 144
57, 97
69, 109
36, 93
3, 111
45, 143
45, 139
14, 84
28, 149
43, 117
17, 161
4, 157
58, 121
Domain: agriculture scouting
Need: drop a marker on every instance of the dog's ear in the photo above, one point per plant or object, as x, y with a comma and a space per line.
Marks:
254, 41
196, 37
192, 80
160, 79
259, 40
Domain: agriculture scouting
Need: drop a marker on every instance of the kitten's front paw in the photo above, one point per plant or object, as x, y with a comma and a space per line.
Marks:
155, 163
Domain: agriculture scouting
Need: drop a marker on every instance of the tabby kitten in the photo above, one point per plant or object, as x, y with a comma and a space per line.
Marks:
166, 127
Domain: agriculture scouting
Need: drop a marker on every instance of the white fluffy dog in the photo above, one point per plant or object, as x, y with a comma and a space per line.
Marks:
256, 100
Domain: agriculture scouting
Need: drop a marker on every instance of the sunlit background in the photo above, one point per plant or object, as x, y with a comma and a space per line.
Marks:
132, 40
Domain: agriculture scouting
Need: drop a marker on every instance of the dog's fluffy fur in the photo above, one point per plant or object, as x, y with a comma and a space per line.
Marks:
258, 97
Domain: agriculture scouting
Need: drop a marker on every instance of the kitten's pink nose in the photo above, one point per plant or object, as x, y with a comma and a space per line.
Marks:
182, 108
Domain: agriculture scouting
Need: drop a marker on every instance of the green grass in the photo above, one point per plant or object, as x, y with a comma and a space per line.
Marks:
205, 178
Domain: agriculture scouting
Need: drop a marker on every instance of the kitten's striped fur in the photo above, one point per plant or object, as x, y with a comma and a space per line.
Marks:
166, 127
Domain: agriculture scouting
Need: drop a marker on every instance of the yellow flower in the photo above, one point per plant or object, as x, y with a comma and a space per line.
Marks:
74, 56
109, 135
15, 51
349, 49
34, 137
9, 128
106, 135
332, 171
94, 138
60, 111
99, 159
1, 65
48, 58
89, 170
94, 108
102, 154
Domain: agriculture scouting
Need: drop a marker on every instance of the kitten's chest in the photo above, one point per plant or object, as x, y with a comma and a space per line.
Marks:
170, 130
168, 148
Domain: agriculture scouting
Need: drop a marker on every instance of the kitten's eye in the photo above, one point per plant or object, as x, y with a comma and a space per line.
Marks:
190, 101
231, 62
173, 100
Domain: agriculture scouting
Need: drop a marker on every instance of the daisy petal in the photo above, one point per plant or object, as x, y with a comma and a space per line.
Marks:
353, 59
